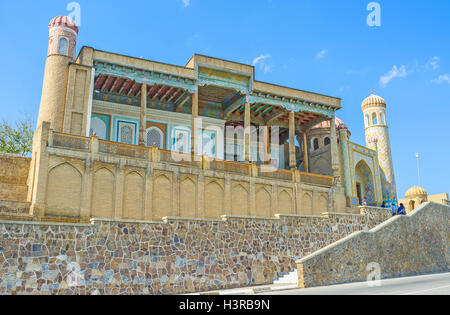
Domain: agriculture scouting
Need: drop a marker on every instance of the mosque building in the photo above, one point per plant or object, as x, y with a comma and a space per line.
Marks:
120, 137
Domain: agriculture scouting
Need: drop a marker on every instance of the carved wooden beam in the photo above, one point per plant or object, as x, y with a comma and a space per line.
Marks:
180, 106
316, 121
276, 115
231, 108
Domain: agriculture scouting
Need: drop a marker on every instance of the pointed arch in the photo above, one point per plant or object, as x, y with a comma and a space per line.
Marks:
364, 177
154, 135
214, 200
285, 202
263, 203
133, 196
307, 203
239, 201
103, 192
162, 197
188, 198
64, 190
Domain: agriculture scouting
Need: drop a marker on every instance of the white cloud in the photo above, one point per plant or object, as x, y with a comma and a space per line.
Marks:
321, 54
396, 72
442, 79
261, 61
433, 63
186, 3
342, 89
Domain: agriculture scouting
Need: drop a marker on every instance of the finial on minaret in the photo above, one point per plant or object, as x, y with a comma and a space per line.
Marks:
371, 92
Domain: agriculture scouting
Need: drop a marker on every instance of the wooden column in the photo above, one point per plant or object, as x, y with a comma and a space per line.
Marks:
267, 147
305, 153
247, 125
143, 119
292, 155
194, 125
334, 148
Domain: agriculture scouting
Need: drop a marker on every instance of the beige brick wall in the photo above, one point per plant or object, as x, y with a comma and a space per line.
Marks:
13, 177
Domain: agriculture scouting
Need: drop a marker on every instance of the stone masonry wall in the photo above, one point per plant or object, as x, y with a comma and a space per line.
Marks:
175, 256
403, 246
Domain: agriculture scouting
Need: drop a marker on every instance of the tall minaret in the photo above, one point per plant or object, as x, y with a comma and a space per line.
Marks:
61, 51
374, 109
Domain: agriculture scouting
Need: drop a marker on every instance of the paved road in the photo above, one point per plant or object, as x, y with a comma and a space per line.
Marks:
437, 284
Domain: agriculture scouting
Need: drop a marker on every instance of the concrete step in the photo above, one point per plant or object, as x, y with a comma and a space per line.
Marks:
290, 278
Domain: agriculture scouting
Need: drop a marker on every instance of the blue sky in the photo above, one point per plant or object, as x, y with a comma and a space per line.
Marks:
324, 46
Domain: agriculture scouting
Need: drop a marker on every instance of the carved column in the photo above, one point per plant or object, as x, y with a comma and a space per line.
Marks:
247, 125
334, 148
305, 153
143, 120
292, 155
194, 132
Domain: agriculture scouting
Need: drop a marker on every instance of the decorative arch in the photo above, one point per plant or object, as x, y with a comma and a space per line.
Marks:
188, 198
162, 197
327, 141
263, 203
364, 181
133, 196
285, 202
154, 135
103, 192
307, 203
99, 127
374, 119
239, 200
126, 134
322, 204
64, 190
63, 46
316, 145
214, 200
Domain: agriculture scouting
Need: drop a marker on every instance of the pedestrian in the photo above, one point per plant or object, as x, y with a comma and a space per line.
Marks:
401, 210
383, 205
394, 210
364, 202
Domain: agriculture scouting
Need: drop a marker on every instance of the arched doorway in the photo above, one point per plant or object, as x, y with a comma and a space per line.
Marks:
364, 183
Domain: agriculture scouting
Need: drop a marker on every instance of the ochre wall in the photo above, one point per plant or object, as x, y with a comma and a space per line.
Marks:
13, 177
177, 256
403, 246
77, 181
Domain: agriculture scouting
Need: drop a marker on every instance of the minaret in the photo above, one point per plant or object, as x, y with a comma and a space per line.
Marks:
374, 109
61, 51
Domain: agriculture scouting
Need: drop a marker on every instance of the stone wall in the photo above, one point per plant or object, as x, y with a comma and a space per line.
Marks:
403, 246
174, 256
13, 177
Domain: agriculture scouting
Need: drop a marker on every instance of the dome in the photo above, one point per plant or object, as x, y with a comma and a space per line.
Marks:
373, 101
326, 125
416, 192
64, 21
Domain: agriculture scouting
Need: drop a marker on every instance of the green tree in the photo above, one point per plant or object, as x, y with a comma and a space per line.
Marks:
16, 138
